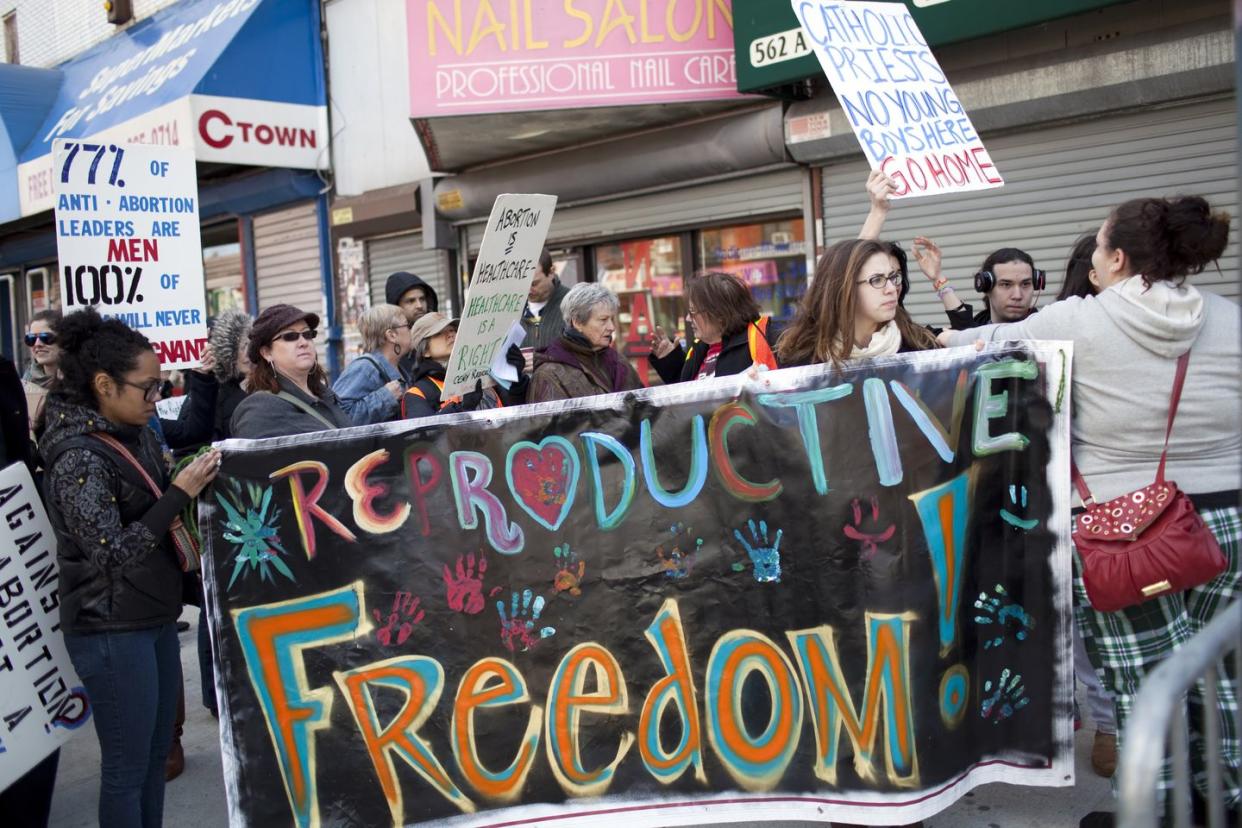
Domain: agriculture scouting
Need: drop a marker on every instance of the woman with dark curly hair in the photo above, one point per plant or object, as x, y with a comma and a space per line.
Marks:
1128, 342
120, 583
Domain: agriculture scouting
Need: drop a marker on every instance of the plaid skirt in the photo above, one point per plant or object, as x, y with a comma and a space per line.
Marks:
1125, 646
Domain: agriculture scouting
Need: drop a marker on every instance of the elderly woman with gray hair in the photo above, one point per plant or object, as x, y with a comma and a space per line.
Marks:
582, 362
370, 388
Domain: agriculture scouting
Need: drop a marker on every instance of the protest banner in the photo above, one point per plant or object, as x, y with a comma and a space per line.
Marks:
128, 242
41, 700
890, 86
508, 256
820, 595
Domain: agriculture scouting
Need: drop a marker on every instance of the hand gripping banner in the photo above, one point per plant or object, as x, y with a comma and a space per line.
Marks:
816, 595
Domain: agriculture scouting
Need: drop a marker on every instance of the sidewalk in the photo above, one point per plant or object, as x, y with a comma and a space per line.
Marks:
197, 796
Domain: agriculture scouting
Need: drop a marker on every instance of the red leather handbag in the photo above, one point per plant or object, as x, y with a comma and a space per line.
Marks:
1147, 543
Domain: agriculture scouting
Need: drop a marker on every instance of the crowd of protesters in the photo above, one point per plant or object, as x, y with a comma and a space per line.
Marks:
84, 418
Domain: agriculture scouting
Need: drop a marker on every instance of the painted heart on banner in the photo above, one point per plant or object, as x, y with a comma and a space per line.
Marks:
543, 477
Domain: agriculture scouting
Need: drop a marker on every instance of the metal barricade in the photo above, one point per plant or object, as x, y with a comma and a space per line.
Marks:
1160, 717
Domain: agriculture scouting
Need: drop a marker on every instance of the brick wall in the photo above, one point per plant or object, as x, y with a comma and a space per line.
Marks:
49, 32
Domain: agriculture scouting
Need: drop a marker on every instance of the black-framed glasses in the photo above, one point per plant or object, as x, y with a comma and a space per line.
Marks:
877, 280
399, 327
150, 390
292, 336
46, 337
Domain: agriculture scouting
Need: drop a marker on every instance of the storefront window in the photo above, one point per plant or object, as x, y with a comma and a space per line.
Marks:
222, 271
769, 257
646, 275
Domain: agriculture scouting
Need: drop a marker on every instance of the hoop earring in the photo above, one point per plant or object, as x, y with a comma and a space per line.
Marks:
397, 348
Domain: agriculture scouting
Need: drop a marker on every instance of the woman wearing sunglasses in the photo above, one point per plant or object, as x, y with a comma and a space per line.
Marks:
289, 391
120, 583
853, 310
44, 358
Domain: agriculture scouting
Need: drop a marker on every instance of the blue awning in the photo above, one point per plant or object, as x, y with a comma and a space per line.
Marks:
239, 81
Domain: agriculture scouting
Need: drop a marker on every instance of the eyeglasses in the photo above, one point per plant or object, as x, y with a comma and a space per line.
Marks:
399, 327
47, 338
877, 281
150, 391
292, 336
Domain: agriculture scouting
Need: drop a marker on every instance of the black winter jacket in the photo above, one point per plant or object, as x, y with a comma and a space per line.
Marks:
734, 357
263, 414
118, 568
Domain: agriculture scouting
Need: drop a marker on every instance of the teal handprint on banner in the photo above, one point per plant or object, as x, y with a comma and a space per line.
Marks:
765, 556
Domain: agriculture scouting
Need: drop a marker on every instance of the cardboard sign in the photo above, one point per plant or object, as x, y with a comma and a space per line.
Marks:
498, 289
41, 700
128, 242
894, 93
841, 596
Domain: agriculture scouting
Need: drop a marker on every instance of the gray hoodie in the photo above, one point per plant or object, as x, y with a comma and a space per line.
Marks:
1126, 344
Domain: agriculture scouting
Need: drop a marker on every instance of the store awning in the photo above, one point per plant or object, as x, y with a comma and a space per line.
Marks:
239, 81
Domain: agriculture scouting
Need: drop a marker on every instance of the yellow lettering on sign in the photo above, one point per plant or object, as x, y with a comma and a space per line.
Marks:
670, 21
494, 28
588, 25
607, 24
531, 41
726, 11
648, 37
453, 34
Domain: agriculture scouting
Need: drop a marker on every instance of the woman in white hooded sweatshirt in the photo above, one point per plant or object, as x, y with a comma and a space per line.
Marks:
1127, 341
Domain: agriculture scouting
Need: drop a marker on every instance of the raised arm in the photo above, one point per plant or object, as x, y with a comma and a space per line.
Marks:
879, 188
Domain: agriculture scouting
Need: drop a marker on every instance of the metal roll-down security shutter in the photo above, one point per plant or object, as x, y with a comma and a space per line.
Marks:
286, 245
1060, 182
389, 254
717, 202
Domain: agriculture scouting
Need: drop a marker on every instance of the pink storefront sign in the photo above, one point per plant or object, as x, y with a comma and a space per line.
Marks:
470, 57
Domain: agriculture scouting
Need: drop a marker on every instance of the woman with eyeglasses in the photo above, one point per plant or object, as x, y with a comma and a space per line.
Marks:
370, 388
120, 582
853, 310
289, 391
44, 357
731, 333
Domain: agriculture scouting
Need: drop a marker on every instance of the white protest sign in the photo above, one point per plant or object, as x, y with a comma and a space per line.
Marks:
895, 95
497, 294
41, 700
128, 242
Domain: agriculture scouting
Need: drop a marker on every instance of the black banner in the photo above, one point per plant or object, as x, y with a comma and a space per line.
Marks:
815, 595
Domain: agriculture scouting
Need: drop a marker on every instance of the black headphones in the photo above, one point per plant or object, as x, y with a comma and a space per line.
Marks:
985, 280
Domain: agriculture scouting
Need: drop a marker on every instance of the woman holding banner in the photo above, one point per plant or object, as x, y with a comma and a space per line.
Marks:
1132, 341
731, 334
113, 509
853, 310
582, 361
432, 338
289, 391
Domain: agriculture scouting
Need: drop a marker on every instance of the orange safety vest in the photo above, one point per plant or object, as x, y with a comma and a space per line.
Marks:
414, 389
757, 341
757, 338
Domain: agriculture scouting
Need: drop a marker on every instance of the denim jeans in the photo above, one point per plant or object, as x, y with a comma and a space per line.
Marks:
132, 679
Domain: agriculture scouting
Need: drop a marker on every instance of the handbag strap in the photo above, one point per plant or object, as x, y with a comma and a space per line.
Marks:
1179, 380
305, 406
117, 446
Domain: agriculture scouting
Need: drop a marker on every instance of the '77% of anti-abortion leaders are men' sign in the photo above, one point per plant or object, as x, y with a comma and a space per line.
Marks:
128, 242
907, 117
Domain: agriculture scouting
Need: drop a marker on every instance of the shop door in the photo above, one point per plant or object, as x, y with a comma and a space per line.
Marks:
1060, 183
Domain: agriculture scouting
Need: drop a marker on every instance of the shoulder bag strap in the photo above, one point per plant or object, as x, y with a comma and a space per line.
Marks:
305, 406
125, 453
1179, 380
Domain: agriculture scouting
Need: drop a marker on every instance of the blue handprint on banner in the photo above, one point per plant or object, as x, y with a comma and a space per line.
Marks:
517, 628
1008, 698
765, 558
1005, 613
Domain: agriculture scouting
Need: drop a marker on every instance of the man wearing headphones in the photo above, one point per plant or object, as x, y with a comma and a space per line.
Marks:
1009, 281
